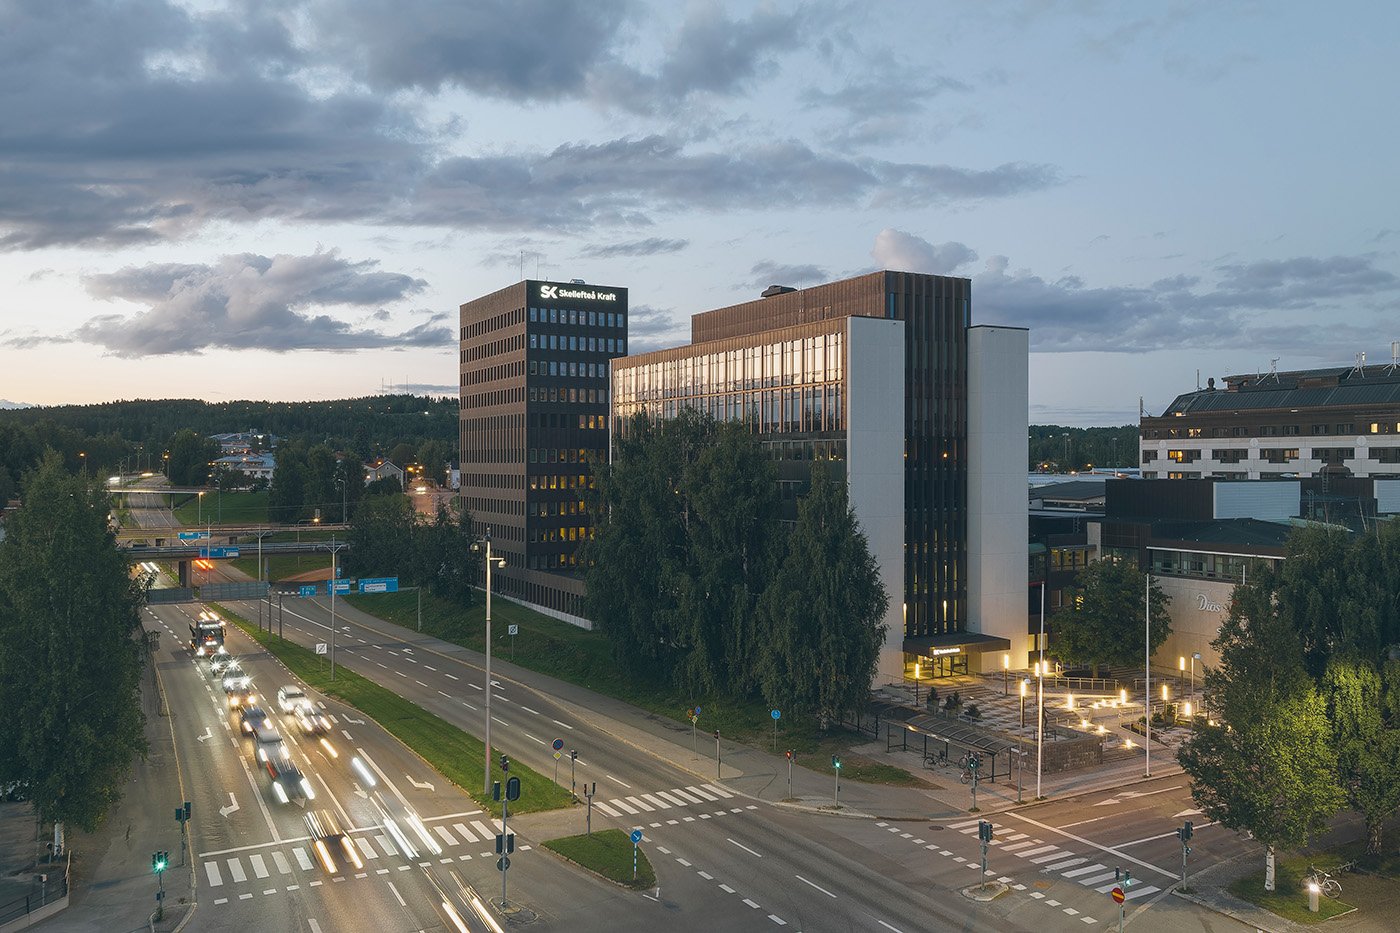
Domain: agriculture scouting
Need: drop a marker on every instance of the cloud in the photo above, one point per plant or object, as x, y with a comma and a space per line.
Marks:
772, 273
649, 247
710, 54
249, 301
651, 328
520, 50
1269, 303
905, 252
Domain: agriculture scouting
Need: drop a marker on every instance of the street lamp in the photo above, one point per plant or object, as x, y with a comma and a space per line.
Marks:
484, 544
1147, 675
1006, 675
1040, 693
1025, 682
916, 683
199, 508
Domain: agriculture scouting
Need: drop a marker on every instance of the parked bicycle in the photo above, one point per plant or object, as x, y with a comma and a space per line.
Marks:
935, 759
1328, 885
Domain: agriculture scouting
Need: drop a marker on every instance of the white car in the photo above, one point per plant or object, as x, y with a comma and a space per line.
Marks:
290, 697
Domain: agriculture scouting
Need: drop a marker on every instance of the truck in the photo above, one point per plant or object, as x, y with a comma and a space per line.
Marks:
207, 635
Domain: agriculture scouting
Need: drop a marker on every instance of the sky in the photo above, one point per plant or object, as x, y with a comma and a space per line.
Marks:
231, 199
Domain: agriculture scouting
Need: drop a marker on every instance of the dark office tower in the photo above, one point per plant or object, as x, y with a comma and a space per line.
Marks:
936, 312
534, 408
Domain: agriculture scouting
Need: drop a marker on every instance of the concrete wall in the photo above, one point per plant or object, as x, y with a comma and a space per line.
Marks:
1270, 502
1197, 609
998, 360
875, 463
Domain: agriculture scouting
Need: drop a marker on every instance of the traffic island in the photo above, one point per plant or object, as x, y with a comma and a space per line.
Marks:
989, 891
608, 853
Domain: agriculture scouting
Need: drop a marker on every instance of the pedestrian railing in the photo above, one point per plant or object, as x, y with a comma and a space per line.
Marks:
40, 894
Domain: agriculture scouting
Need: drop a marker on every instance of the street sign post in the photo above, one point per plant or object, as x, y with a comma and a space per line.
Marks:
379, 585
776, 716
306, 590
588, 792
512, 631
573, 757
636, 840
789, 758
506, 837
717, 765
320, 647
339, 587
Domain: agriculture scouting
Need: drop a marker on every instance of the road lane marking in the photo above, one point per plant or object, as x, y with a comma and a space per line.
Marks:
486, 831
887, 926
564, 724
604, 808
744, 847
1124, 845
660, 804
750, 903
397, 896
453, 676
814, 885
674, 799
302, 858
616, 781
385, 845
715, 790
778, 920
531, 737
447, 837
688, 798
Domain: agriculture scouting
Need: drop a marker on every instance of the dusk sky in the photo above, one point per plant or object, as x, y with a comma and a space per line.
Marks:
289, 200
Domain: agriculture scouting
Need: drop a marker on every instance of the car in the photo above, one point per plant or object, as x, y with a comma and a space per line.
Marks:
220, 664
328, 835
240, 696
274, 757
290, 697
250, 717
311, 720
235, 680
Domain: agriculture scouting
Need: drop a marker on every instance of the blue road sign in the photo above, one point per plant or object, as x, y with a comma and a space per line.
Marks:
697, 711
777, 715
379, 585
341, 586
636, 836
309, 590
218, 552
193, 535
558, 744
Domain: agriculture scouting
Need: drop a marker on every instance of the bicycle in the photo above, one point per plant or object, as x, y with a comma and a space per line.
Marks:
935, 759
1328, 885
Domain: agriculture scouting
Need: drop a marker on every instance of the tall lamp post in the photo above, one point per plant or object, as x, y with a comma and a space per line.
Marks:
199, 508
916, 683
1040, 695
484, 544
1147, 674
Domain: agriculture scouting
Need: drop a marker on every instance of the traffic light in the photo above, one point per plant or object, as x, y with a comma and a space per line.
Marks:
836, 762
984, 830
789, 755
505, 763
973, 762
716, 735
187, 811
159, 860
1186, 832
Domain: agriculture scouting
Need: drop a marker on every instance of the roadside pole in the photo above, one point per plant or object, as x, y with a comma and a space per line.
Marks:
984, 835
789, 758
588, 792
717, 764
836, 767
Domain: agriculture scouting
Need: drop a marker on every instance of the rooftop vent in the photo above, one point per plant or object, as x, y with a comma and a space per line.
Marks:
772, 290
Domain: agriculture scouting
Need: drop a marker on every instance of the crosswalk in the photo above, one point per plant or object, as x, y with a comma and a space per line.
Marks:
1052, 858
675, 797
374, 846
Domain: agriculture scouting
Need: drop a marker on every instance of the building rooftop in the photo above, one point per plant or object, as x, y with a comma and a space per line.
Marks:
1240, 532
1337, 387
1080, 490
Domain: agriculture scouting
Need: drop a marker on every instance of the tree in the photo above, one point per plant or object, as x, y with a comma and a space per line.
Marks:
381, 539
70, 666
1267, 767
433, 456
446, 564
190, 455
1368, 748
822, 617
1103, 623
286, 501
321, 491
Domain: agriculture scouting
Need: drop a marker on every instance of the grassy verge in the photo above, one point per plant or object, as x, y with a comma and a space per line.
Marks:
585, 658
609, 853
285, 566
233, 508
1290, 899
454, 753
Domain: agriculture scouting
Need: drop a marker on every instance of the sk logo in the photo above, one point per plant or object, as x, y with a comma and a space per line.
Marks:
549, 291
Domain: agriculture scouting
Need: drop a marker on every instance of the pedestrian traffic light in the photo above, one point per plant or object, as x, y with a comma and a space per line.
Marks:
1185, 832
836, 762
505, 763
984, 830
159, 860
789, 755
716, 735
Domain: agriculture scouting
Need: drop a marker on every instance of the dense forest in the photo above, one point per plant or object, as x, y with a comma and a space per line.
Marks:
136, 434
1058, 449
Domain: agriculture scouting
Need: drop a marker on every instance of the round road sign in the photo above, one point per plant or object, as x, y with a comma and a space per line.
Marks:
776, 714
1118, 896
636, 836
503, 863
697, 711
558, 744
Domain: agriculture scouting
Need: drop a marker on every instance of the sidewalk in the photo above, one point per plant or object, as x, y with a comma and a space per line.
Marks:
113, 886
761, 775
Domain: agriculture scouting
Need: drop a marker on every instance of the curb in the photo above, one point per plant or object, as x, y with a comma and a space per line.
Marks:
1224, 911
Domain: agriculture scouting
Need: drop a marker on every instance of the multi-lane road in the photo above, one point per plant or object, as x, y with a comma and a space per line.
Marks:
723, 859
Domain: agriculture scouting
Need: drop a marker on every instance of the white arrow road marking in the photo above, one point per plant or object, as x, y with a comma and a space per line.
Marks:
360, 793
1188, 813
232, 806
206, 736
423, 786
1133, 795
354, 722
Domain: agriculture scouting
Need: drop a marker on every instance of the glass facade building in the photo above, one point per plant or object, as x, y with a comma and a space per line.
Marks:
533, 409
781, 363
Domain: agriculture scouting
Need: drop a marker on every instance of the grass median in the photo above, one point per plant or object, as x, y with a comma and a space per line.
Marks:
1289, 900
609, 853
585, 658
455, 754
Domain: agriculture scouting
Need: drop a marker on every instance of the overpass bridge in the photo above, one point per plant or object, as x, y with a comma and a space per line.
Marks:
183, 553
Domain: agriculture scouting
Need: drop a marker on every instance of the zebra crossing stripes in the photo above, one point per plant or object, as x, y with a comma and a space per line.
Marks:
1083, 871
464, 832
212, 869
281, 862
446, 836
385, 845
235, 870
486, 832
365, 847
660, 804
644, 807
605, 809
259, 866
303, 860
664, 795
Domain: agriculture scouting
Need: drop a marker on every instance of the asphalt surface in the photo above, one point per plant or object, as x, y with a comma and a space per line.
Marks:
724, 860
